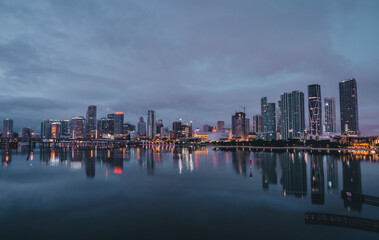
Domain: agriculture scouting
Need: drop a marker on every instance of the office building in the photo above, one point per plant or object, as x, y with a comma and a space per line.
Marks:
315, 110
292, 111
279, 117
65, 127
159, 125
77, 126
118, 124
55, 130
141, 127
240, 125
257, 123
150, 128
106, 127
220, 126
7, 128
176, 126
269, 119
91, 122
330, 126
349, 107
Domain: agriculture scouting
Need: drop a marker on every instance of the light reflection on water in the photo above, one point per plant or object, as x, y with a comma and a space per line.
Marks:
237, 189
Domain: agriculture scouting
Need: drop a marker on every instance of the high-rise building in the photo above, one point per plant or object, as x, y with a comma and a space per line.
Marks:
257, 123
118, 124
186, 130
27, 133
77, 126
159, 125
55, 130
107, 127
349, 107
269, 119
7, 128
279, 117
141, 127
220, 126
330, 115
91, 122
315, 110
176, 126
65, 127
240, 128
128, 128
207, 128
293, 120
151, 129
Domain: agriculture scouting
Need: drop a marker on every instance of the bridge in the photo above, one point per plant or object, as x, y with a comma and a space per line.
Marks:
342, 221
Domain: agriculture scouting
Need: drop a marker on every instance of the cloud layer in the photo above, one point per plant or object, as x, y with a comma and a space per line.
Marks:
199, 60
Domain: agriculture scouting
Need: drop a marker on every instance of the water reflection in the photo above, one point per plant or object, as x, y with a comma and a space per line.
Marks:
240, 160
352, 183
289, 166
332, 174
294, 177
317, 180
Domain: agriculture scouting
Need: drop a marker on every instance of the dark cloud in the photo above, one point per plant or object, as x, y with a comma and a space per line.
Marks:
199, 60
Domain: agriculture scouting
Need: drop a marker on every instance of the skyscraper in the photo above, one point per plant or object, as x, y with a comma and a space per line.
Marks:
349, 107
220, 126
7, 128
279, 117
176, 127
159, 125
91, 122
269, 119
65, 129
292, 110
77, 125
141, 127
118, 124
151, 129
239, 128
330, 115
107, 127
55, 130
257, 123
315, 109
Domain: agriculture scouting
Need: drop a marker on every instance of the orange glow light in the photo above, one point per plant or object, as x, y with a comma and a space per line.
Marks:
117, 170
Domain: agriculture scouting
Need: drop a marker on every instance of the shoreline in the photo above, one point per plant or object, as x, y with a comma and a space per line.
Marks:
300, 148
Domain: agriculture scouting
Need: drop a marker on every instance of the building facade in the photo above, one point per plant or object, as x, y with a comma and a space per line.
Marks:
330, 125
240, 125
7, 128
118, 124
292, 111
268, 112
91, 122
141, 127
257, 123
151, 128
315, 110
77, 126
349, 107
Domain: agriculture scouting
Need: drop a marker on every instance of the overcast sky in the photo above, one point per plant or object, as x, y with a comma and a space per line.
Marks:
198, 60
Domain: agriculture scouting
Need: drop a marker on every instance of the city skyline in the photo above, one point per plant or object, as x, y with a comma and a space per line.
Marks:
179, 61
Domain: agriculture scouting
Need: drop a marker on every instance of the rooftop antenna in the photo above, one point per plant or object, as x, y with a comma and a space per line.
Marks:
244, 109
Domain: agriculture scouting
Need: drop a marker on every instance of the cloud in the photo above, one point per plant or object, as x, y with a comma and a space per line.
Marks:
200, 60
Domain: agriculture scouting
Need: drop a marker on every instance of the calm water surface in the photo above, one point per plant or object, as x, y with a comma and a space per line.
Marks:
181, 193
